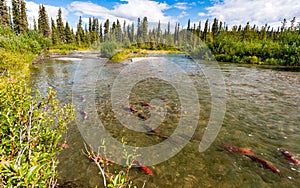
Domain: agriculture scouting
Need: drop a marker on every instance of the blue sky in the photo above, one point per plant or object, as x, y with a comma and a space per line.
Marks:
232, 12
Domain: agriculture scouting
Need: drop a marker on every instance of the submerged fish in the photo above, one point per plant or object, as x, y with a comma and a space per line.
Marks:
147, 104
155, 132
84, 114
131, 109
235, 149
265, 163
82, 97
63, 145
289, 156
142, 117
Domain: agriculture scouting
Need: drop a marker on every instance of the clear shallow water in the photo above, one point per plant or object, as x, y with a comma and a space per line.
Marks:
263, 113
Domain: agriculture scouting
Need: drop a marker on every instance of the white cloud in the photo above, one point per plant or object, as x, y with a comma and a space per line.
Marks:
87, 8
129, 11
181, 5
184, 5
183, 14
259, 12
33, 12
202, 14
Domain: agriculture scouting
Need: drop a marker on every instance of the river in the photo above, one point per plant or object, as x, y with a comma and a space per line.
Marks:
262, 113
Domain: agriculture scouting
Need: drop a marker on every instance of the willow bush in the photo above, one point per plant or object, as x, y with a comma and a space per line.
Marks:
31, 128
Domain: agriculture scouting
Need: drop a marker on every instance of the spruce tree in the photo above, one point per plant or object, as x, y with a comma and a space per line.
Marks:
68, 34
129, 32
54, 36
169, 40
178, 35
189, 25
125, 38
293, 24
118, 32
214, 28
112, 32
80, 33
158, 34
106, 30
145, 29
4, 14
94, 30
132, 33
86, 37
16, 15
206, 30
60, 27
246, 32
283, 27
138, 33
90, 24
198, 31
43, 22
100, 33
34, 25
23, 18
175, 35
124, 34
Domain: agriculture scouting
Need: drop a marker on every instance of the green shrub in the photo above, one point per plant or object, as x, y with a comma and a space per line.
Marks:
119, 56
108, 49
15, 62
30, 42
223, 57
30, 131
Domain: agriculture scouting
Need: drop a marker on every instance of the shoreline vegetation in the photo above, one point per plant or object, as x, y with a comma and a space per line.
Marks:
32, 125
126, 54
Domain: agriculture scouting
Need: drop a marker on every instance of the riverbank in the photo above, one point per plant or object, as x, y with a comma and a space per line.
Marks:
265, 66
123, 54
128, 56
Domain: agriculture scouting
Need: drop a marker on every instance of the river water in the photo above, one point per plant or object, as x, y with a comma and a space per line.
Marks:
262, 113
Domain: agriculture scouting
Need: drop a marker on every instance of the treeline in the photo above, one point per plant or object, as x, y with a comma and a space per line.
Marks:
239, 44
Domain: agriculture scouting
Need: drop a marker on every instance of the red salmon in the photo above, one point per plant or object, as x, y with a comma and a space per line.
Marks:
235, 149
147, 104
83, 98
84, 114
289, 156
265, 163
131, 109
143, 167
142, 117
63, 145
